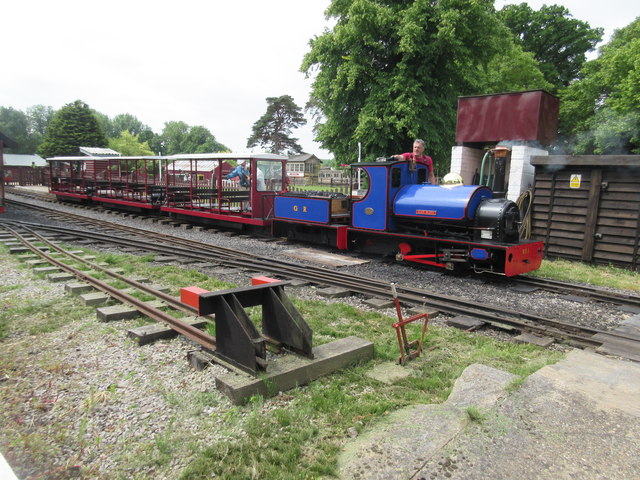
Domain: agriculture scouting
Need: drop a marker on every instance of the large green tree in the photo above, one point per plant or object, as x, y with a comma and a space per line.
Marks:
558, 41
272, 131
179, 137
600, 114
113, 127
73, 126
391, 71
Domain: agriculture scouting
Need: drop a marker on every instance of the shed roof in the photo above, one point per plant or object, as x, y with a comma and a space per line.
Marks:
17, 160
303, 157
99, 152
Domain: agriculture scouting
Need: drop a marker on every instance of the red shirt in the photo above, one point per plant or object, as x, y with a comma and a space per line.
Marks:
423, 159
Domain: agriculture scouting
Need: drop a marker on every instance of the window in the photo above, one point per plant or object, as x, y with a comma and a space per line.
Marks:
269, 176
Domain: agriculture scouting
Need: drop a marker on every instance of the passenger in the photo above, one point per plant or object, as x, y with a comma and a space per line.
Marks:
240, 172
418, 156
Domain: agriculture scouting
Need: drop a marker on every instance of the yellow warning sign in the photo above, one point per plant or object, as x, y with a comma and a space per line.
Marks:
575, 181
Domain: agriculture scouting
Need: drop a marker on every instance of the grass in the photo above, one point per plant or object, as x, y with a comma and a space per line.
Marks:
298, 434
577, 272
303, 438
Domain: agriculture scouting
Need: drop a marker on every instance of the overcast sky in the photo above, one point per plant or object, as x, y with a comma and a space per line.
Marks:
210, 63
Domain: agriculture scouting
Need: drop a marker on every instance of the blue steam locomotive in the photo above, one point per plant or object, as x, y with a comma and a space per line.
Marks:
453, 227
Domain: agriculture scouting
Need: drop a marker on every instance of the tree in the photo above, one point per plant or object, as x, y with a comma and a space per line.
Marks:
601, 112
128, 122
558, 41
15, 124
130, 145
73, 126
39, 118
391, 71
26, 129
272, 131
113, 127
511, 70
178, 137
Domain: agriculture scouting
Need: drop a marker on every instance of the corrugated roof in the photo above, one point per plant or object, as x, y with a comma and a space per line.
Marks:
17, 160
99, 152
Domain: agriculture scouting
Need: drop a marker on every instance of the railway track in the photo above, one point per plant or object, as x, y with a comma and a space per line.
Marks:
189, 250
627, 301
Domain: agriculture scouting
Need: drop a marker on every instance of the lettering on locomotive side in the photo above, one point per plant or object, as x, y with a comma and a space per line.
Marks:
525, 251
296, 208
427, 212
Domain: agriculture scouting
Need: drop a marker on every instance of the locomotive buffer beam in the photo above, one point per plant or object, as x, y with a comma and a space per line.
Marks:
238, 341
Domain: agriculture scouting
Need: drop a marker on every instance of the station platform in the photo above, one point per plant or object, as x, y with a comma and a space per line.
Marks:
579, 418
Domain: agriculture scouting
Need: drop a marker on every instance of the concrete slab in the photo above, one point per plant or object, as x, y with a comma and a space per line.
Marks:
46, 269
398, 446
36, 262
578, 418
334, 292
534, 339
574, 298
166, 259
379, 303
424, 309
76, 288
94, 298
323, 258
465, 323
59, 277
121, 312
199, 360
290, 371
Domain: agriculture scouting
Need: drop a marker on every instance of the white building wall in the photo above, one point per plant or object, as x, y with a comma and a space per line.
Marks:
521, 173
465, 161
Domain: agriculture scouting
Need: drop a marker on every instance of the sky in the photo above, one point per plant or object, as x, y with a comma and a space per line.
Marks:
205, 62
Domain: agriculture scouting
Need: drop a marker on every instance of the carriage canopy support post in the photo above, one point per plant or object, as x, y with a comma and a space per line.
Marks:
237, 339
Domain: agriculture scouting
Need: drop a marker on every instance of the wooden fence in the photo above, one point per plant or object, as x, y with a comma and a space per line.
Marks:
588, 208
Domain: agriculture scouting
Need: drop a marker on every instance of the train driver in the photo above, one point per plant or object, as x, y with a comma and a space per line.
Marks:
418, 156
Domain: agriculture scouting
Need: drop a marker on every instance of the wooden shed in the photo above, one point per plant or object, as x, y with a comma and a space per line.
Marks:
587, 208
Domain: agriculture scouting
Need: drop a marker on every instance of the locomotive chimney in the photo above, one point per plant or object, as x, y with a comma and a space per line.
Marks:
500, 154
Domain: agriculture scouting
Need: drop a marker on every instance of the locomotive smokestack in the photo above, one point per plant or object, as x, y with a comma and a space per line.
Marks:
500, 154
